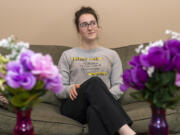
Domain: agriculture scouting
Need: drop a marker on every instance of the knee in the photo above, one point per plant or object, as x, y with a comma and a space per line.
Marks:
90, 111
93, 84
96, 80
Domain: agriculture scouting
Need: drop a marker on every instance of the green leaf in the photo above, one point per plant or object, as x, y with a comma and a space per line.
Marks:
19, 100
24, 99
137, 95
147, 95
166, 77
172, 90
157, 100
40, 92
14, 91
159, 80
175, 99
149, 85
30, 99
39, 85
165, 96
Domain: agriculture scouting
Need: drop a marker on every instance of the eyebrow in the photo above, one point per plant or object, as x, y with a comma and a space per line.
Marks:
87, 22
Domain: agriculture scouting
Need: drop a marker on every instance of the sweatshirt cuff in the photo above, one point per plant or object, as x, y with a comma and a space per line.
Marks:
116, 92
65, 92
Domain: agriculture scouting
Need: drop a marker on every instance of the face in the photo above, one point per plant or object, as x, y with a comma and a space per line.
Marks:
88, 27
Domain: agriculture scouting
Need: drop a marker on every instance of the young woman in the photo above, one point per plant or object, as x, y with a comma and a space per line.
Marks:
91, 78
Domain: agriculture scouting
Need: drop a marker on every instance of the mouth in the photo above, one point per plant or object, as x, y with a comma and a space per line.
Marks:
90, 33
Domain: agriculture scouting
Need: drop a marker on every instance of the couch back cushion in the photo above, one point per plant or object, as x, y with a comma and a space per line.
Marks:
53, 50
125, 54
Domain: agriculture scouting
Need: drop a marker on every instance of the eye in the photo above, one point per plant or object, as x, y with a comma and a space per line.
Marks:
93, 23
84, 24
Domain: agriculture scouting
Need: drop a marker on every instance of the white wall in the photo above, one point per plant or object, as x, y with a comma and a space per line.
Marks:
123, 22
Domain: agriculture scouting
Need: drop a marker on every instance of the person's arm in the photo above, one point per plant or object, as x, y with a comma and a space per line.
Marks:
64, 69
116, 78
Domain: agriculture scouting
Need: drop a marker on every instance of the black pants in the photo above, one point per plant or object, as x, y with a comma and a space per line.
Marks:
96, 106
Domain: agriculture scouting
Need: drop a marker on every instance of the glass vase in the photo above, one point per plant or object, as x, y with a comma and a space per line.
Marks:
158, 124
23, 123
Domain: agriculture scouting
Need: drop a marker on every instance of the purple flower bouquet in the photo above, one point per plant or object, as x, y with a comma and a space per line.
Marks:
26, 75
155, 73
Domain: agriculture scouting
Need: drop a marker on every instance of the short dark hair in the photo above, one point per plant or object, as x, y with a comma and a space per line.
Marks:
84, 10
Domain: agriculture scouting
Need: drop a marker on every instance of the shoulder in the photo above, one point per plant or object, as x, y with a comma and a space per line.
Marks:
66, 55
111, 54
69, 51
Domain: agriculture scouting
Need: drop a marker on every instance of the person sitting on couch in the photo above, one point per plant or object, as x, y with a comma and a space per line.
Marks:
91, 77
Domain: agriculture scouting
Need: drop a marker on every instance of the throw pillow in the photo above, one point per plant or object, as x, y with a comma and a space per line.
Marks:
3, 102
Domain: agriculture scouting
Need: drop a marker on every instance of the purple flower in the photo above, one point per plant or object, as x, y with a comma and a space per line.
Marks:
16, 76
43, 66
135, 61
124, 87
139, 77
28, 81
135, 77
54, 84
126, 79
143, 58
159, 58
173, 46
12, 79
153, 59
1, 75
25, 59
15, 66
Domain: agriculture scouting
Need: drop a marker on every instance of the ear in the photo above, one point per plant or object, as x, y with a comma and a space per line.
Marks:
99, 27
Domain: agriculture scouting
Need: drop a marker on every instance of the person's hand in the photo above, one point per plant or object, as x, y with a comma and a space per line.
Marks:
73, 91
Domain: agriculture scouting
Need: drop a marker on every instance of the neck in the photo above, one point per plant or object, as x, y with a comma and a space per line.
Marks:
88, 45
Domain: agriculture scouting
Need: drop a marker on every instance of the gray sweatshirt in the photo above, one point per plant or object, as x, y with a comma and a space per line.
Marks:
77, 65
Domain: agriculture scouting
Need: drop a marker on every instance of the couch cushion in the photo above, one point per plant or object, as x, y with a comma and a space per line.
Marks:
140, 113
50, 98
126, 98
46, 120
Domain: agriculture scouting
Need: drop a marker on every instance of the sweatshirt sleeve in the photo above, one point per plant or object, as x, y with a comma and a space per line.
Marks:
115, 77
64, 69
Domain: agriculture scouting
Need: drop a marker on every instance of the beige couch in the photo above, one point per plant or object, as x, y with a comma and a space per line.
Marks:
47, 119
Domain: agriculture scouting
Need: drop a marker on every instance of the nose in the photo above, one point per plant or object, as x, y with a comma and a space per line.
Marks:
89, 27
